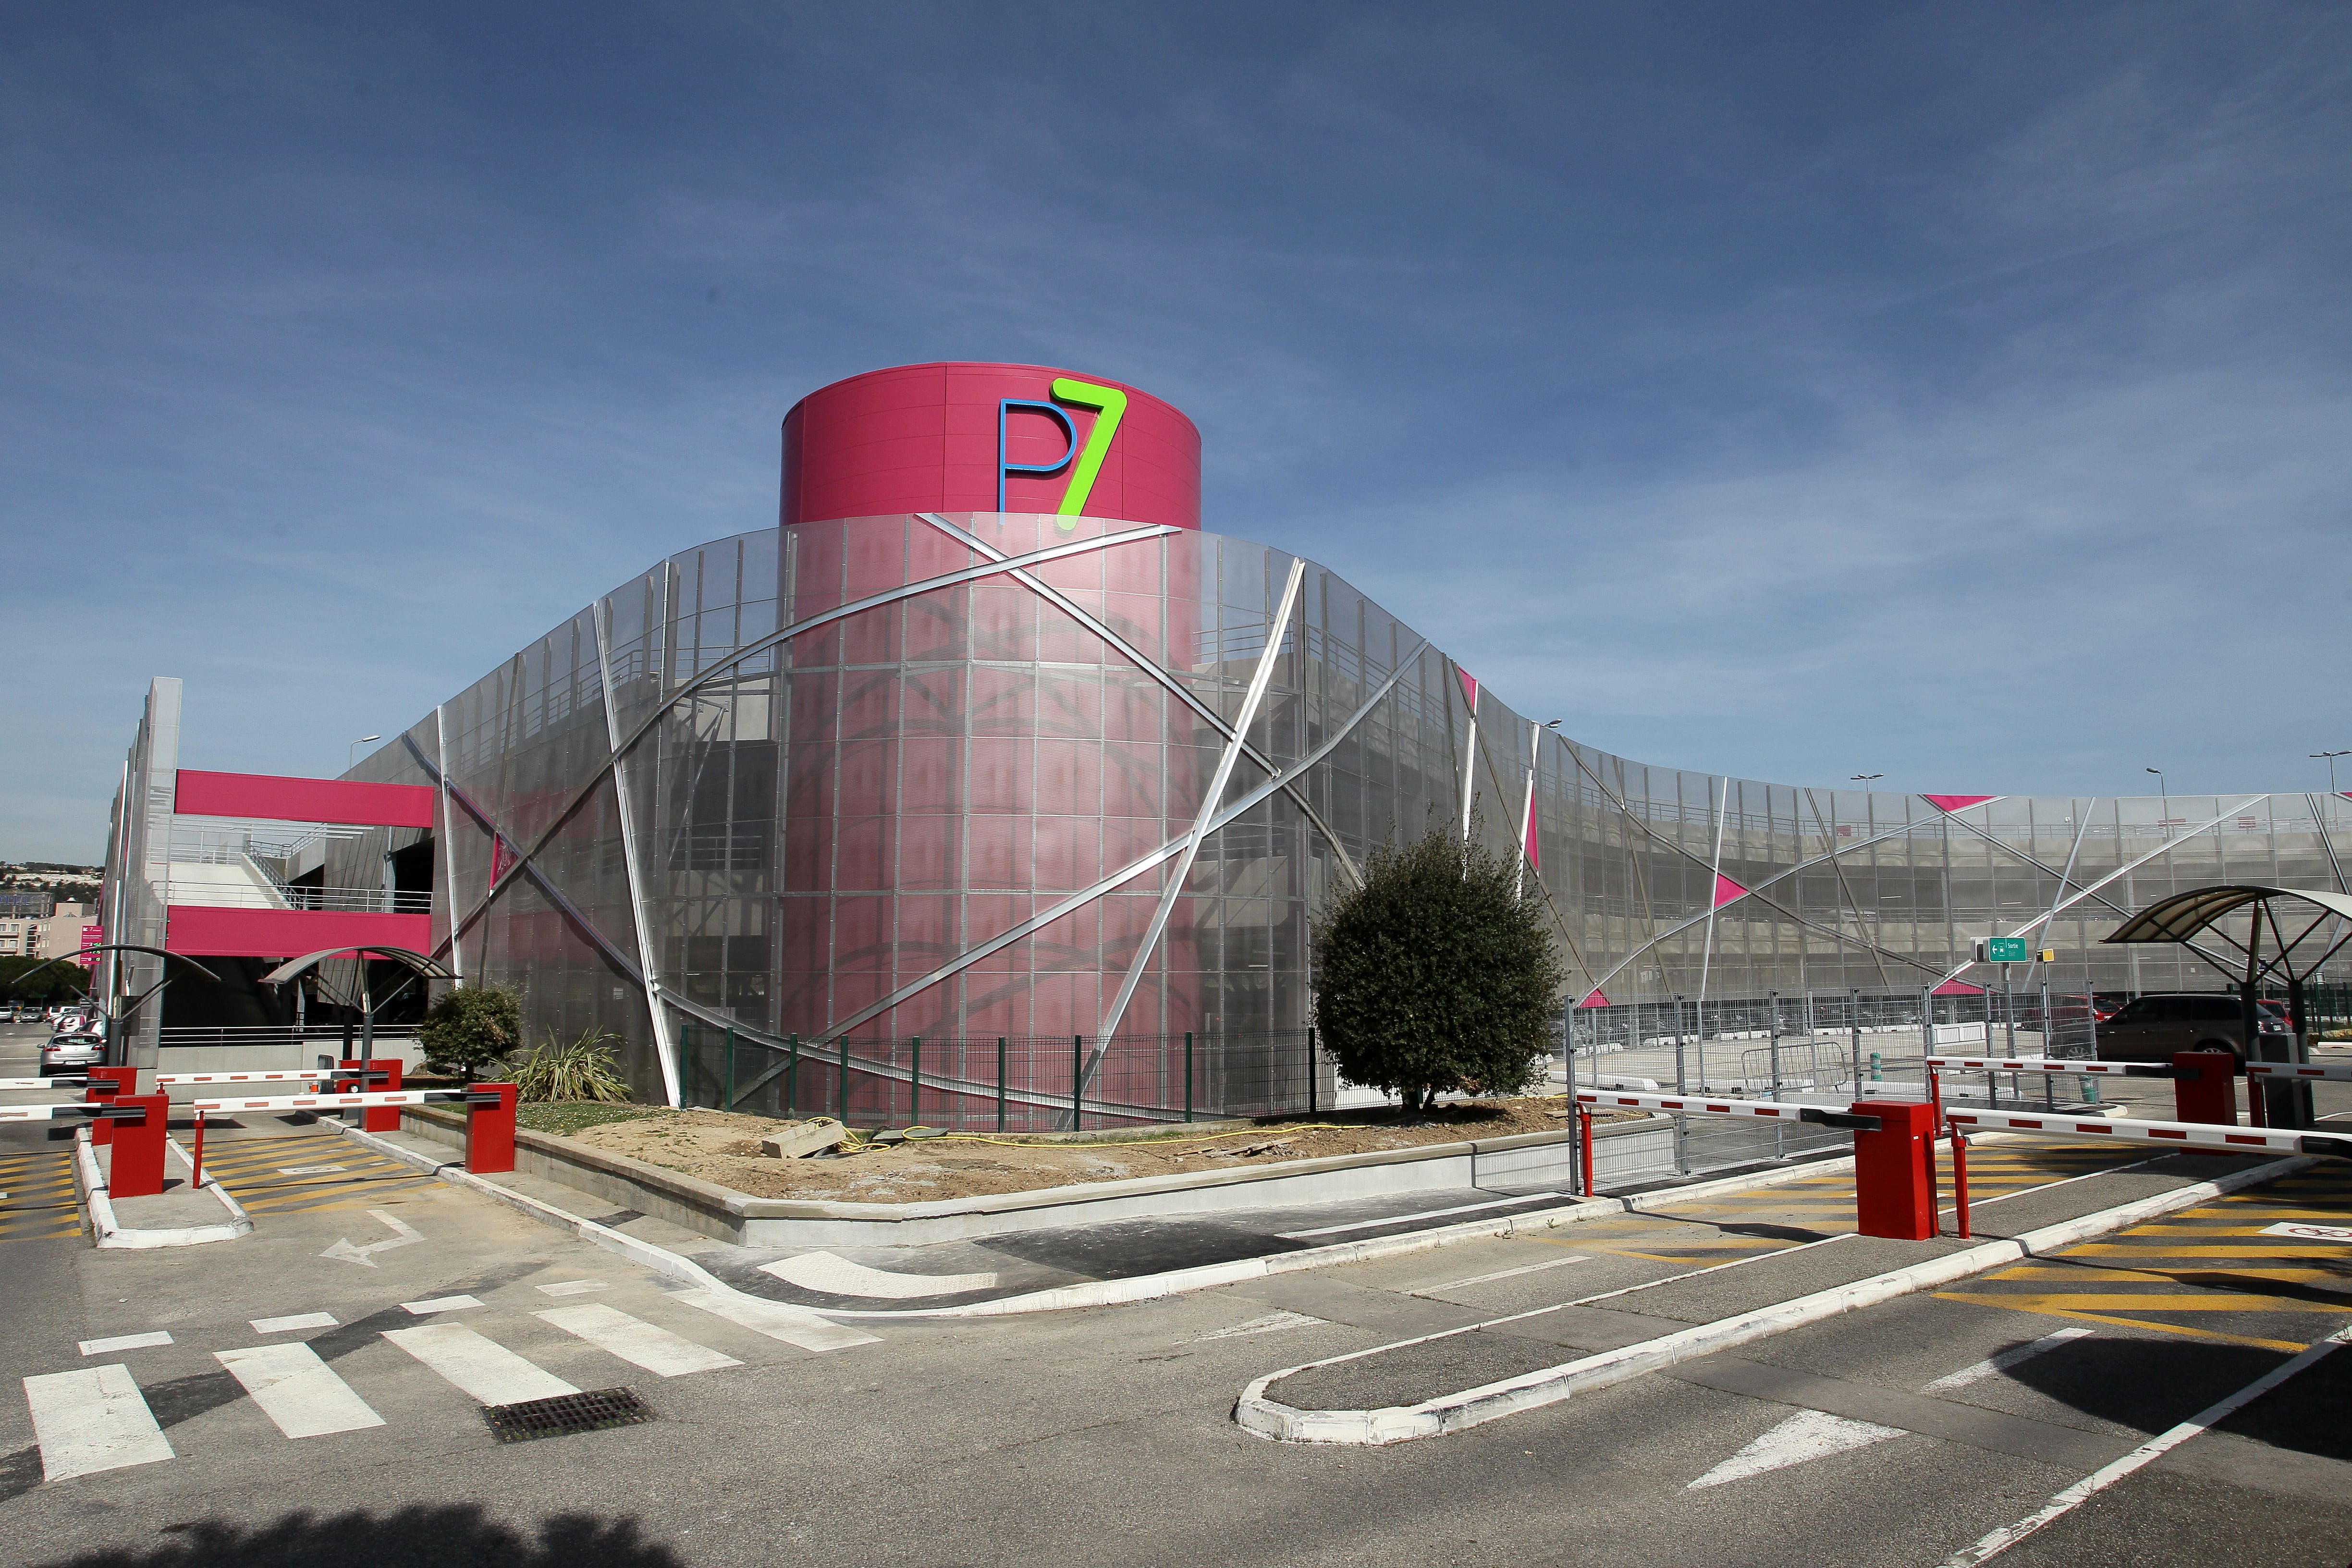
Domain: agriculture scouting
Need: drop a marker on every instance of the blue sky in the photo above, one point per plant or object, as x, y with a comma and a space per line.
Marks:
1958, 393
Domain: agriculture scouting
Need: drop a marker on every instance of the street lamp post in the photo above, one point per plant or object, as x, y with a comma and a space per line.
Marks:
1865, 778
2329, 758
2164, 804
351, 753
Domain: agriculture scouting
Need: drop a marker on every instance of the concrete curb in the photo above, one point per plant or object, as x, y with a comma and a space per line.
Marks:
660, 1259
1104, 1292
109, 1232
1209, 1276
1548, 1385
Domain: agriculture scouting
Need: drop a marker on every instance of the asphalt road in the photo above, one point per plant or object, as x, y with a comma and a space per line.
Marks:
1106, 1437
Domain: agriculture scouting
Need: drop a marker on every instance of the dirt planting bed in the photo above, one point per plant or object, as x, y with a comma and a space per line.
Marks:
724, 1147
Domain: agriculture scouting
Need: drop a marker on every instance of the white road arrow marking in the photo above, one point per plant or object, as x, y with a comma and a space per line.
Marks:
1807, 1435
403, 1235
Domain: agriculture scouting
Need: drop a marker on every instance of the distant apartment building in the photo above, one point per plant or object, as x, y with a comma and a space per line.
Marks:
57, 933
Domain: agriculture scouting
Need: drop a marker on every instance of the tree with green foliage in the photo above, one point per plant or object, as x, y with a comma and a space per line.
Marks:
469, 1029
1435, 975
55, 983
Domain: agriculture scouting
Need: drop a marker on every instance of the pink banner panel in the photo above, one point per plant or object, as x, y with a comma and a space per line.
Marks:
1956, 802
198, 931
1725, 890
1956, 988
279, 799
1594, 1000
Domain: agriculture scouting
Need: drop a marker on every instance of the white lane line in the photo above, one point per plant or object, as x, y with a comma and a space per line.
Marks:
1807, 1435
839, 1277
125, 1342
483, 1368
1271, 1324
635, 1341
1425, 1214
777, 1320
2156, 1447
571, 1286
1503, 1274
297, 1390
298, 1321
441, 1304
2003, 1362
90, 1420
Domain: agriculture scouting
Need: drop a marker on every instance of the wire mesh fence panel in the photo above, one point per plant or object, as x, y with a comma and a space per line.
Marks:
1009, 1083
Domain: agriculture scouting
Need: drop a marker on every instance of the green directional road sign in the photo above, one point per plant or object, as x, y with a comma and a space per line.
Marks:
2006, 950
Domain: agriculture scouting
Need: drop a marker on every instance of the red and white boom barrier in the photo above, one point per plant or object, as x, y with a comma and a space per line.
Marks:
2205, 1135
489, 1116
2048, 1065
2298, 1070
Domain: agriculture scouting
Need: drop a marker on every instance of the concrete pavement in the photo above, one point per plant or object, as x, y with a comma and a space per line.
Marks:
1106, 1436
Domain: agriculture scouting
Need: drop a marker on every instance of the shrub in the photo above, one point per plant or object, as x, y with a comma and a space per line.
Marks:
588, 1068
1436, 977
471, 1028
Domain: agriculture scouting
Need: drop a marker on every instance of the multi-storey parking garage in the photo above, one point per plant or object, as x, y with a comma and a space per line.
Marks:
944, 755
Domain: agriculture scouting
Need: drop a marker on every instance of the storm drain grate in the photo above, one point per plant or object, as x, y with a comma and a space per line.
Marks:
566, 1413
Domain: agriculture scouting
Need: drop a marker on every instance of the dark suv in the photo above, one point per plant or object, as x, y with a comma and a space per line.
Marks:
2151, 1029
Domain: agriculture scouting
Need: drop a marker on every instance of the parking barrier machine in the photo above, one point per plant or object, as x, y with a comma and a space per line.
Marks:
137, 1162
489, 1116
2286, 1084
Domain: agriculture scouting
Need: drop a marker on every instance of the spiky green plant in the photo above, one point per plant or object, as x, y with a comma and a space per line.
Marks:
587, 1068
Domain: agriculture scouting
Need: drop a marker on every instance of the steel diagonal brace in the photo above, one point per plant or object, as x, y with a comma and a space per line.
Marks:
1260, 679
1151, 667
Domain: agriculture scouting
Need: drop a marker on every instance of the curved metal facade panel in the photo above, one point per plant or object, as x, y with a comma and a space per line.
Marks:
883, 783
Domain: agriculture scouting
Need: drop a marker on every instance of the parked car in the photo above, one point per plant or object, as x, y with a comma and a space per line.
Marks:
2151, 1029
71, 1053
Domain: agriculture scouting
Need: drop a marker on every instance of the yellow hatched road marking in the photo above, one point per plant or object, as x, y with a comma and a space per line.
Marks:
2290, 1346
2284, 1250
2216, 1301
2029, 1271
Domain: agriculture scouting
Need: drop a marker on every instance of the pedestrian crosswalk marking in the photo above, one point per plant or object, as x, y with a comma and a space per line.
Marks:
298, 1391
298, 1321
635, 1340
778, 1320
125, 1342
481, 1367
441, 1304
90, 1420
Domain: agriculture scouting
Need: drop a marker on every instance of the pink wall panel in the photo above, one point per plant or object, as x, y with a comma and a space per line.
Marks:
196, 931
280, 799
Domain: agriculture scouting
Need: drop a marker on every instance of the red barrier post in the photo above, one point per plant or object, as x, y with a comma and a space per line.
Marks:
1894, 1171
2209, 1096
1960, 1180
196, 1175
376, 1117
138, 1164
490, 1129
106, 1084
1585, 1146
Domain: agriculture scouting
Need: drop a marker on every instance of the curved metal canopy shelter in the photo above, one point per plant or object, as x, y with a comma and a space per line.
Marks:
2183, 918
419, 967
424, 967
